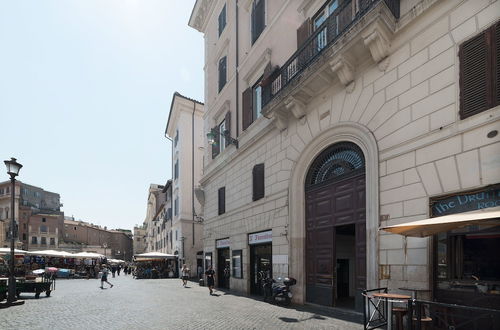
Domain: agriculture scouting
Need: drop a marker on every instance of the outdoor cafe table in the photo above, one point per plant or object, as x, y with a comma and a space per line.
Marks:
390, 298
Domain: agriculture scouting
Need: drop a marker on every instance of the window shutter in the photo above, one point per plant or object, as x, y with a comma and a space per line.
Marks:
228, 127
222, 200
215, 146
474, 84
258, 181
303, 32
247, 108
496, 61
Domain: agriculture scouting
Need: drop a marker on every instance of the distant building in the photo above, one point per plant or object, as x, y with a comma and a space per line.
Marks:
93, 238
139, 244
37, 213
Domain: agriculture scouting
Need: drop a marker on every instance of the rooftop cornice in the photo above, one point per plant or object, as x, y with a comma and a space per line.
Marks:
200, 14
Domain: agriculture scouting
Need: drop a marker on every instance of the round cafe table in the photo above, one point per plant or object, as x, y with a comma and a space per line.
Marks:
390, 298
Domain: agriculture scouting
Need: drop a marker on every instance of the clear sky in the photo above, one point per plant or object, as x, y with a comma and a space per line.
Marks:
85, 91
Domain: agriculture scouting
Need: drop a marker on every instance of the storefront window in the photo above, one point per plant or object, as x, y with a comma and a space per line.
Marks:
237, 264
208, 260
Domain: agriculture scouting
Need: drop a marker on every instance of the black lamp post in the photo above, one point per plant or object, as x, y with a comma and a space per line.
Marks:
13, 169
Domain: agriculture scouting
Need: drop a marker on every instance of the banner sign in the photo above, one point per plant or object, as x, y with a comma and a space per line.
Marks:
467, 201
222, 243
262, 237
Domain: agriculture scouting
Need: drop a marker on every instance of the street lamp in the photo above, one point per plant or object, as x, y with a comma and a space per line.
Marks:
13, 169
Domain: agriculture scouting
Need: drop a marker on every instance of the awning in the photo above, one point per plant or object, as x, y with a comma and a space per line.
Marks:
432, 226
155, 255
16, 251
51, 253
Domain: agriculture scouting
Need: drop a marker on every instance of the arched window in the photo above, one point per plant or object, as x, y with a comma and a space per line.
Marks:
336, 162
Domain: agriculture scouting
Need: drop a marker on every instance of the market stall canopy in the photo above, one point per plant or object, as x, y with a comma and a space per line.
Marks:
16, 251
116, 261
155, 255
432, 226
51, 253
84, 255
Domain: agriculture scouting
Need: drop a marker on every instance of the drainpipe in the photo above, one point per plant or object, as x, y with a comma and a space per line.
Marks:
192, 165
237, 75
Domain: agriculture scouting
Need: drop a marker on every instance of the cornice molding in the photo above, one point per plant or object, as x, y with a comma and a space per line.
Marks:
200, 14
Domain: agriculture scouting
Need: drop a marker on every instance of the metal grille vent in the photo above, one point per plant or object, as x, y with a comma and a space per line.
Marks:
337, 161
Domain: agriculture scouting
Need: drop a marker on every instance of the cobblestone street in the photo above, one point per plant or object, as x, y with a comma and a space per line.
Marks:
158, 304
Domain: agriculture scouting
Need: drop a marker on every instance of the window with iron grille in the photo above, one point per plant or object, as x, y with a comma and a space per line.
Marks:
480, 72
258, 19
222, 72
222, 20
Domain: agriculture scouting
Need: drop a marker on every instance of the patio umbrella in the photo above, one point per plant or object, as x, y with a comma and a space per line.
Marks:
51, 269
38, 271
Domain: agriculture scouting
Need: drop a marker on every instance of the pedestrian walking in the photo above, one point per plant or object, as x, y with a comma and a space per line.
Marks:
104, 277
185, 274
113, 270
210, 273
118, 268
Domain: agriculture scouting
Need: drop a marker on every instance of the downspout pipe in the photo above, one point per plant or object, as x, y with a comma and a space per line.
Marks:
192, 166
237, 75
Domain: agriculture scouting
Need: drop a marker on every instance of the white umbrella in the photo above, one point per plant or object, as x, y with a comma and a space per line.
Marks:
16, 251
39, 271
51, 253
88, 255
155, 255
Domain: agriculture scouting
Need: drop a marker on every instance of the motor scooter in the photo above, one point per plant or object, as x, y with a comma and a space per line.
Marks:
278, 290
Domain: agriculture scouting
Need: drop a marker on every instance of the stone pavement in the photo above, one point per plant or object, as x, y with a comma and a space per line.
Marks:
159, 304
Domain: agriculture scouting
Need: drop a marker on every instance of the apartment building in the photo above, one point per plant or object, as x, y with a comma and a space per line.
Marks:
139, 244
185, 128
340, 117
83, 236
37, 213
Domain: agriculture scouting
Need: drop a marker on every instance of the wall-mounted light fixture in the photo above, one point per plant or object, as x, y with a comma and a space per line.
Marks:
215, 131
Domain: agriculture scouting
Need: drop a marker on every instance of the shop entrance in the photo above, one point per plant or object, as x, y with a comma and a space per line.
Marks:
336, 227
223, 268
261, 263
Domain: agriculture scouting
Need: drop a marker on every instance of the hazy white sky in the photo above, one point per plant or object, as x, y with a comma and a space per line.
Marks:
85, 90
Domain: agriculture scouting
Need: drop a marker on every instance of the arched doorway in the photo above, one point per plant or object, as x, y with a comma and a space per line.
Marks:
335, 227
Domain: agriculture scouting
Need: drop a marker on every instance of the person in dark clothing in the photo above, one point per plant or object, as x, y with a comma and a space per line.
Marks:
118, 268
113, 270
210, 273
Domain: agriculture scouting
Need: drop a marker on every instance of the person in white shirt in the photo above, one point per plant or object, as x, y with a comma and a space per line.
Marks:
184, 274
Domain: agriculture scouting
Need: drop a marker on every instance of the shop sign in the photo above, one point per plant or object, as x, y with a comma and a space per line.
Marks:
222, 243
262, 237
467, 201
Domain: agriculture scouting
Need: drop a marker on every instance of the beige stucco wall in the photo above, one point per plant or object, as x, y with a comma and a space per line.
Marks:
405, 118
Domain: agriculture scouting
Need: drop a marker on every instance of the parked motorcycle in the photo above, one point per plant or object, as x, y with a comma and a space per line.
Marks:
278, 290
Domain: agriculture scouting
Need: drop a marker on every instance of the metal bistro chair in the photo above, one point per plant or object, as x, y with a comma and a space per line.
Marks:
374, 309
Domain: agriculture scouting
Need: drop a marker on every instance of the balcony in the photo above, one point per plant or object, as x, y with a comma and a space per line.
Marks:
332, 50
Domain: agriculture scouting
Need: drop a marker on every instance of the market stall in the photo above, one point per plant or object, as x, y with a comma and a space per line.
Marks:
155, 265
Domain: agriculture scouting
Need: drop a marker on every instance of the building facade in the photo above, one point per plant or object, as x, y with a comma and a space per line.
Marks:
185, 129
37, 214
139, 245
349, 116
84, 236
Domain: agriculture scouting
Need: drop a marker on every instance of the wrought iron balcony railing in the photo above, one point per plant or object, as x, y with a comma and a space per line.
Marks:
325, 35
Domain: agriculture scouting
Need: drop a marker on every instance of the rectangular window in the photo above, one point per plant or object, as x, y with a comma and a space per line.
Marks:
222, 200
34, 240
222, 72
480, 72
222, 19
52, 241
176, 206
176, 170
257, 101
43, 229
176, 139
258, 19
222, 140
208, 260
258, 182
237, 264
176, 235
44, 220
44, 241
24, 237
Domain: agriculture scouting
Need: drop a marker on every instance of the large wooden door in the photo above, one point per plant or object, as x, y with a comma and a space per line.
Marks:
337, 203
